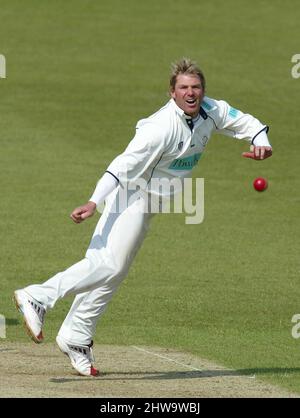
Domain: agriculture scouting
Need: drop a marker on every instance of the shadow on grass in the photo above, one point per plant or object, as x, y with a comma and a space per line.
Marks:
246, 373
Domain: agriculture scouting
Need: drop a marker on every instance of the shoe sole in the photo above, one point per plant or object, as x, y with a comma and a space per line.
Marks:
27, 327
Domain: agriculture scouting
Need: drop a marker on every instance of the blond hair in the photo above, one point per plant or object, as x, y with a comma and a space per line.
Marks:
185, 66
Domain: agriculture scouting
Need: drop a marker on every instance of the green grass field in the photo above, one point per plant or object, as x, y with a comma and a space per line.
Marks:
79, 76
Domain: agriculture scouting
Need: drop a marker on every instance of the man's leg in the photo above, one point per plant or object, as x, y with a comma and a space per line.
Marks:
122, 243
101, 263
113, 246
80, 323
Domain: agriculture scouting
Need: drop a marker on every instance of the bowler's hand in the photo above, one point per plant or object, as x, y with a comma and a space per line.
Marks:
80, 214
258, 153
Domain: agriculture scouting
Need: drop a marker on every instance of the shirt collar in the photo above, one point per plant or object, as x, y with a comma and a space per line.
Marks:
177, 108
180, 111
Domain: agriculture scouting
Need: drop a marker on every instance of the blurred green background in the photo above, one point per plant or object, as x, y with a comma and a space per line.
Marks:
79, 76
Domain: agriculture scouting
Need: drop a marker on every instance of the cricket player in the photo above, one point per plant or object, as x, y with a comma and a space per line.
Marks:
167, 144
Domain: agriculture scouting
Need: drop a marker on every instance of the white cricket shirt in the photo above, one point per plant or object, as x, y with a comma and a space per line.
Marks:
165, 146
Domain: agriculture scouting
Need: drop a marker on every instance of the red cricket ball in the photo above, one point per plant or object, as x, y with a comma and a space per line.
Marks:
260, 184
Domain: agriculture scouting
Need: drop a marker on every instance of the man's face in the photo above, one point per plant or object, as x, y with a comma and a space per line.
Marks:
188, 93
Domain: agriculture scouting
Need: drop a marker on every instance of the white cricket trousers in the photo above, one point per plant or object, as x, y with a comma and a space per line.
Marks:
94, 279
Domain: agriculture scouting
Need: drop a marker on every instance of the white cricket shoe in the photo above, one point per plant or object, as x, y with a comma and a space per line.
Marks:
81, 357
33, 313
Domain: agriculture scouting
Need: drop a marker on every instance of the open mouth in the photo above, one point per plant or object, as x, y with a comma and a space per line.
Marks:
191, 101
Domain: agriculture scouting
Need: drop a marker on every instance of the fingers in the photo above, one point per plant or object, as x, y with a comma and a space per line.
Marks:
258, 153
261, 153
86, 214
248, 154
80, 214
76, 215
267, 152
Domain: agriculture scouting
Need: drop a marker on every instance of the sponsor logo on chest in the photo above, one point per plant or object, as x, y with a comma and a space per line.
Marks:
186, 163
